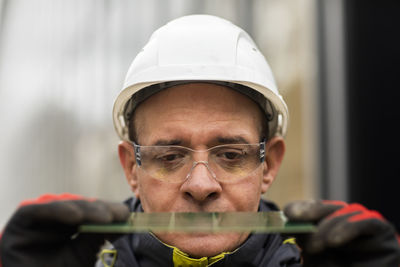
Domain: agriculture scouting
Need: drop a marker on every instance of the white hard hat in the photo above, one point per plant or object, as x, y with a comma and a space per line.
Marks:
200, 48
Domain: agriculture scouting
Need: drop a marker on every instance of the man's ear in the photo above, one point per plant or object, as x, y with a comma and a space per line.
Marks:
274, 152
127, 159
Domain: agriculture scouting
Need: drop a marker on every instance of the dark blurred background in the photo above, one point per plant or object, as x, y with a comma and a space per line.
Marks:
373, 63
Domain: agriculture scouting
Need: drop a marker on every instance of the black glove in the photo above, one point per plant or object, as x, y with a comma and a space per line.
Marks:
347, 235
43, 232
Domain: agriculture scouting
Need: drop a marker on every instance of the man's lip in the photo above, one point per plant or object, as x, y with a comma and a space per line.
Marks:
198, 211
192, 235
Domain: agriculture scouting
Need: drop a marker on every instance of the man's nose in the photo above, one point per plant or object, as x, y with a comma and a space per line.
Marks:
201, 184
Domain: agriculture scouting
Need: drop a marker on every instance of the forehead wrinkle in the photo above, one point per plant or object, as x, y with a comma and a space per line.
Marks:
203, 137
213, 115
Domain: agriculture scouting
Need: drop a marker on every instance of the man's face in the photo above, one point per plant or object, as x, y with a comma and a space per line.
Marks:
199, 116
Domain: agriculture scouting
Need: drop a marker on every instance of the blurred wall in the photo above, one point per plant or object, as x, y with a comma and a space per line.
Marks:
62, 63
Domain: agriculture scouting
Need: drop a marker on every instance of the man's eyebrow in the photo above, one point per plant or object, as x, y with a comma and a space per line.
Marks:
232, 140
165, 142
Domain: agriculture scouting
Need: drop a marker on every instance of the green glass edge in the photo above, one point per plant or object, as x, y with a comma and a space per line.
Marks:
256, 222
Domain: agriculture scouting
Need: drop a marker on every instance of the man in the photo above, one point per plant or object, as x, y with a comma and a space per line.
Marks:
202, 127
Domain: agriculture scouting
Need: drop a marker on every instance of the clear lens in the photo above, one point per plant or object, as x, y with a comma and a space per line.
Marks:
174, 163
167, 163
233, 162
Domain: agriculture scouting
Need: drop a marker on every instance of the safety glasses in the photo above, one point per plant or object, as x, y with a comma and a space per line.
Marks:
226, 163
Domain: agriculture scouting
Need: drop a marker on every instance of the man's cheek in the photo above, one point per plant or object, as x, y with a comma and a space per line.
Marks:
158, 196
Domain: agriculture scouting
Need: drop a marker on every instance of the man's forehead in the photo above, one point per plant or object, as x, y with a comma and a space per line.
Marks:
198, 133
139, 97
198, 101
220, 113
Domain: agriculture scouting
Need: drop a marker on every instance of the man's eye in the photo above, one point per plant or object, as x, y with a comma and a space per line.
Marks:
231, 155
170, 157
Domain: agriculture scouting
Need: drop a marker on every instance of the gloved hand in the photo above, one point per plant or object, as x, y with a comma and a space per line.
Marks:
43, 232
347, 235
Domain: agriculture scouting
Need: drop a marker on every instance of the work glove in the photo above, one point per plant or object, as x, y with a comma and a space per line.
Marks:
346, 235
43, 232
